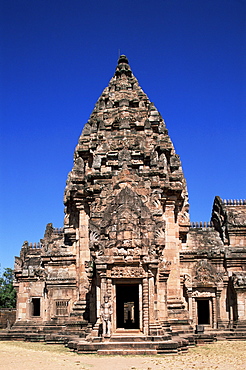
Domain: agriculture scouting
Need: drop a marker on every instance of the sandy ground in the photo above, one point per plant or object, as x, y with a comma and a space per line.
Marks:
39, 356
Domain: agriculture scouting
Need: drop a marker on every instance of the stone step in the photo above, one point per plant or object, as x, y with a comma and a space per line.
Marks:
36, 329
123, 352
147, 347
118, 338
13, 336
118, 345
128, 332
235, 336
204, 338
35, 337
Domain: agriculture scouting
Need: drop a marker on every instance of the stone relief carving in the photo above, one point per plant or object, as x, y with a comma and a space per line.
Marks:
154, 158
163, 162
79, 164
160, 233
97, 162
239, 279
106, 313
127, 272
58, 274
219, 218
236, 218
164, 264
206, 273
94, 239
175, 162
18, 264
126, 225
89, 267
187, 281
200, 294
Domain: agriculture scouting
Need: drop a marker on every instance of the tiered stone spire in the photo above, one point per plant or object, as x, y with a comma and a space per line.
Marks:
125, 132
126, 198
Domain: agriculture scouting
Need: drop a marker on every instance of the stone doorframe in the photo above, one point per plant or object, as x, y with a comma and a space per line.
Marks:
136, 281
152, 291
110, 275
210, 295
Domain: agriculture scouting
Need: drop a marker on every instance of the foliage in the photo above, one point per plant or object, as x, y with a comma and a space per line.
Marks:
7, 291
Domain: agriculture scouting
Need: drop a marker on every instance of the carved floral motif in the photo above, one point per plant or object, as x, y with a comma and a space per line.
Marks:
127, 272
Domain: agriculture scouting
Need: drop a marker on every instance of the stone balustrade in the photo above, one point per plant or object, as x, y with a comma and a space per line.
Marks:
198, 225
234, 202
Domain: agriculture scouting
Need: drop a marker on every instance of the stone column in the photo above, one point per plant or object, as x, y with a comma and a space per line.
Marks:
98, 300
83, 253
194, 311
113, 300
214, 313
103, 286
218, 295
109, 287
145, 306
162, 295
171, 251
151, 298
241, 303
190, 305
141, 307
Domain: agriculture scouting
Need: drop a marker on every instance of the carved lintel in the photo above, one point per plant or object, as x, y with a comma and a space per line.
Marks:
127, 272
203, 294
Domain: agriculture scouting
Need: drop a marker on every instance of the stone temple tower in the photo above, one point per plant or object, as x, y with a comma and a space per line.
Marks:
128, 261
126, 209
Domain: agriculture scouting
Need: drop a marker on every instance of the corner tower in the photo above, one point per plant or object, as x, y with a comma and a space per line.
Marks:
126, 211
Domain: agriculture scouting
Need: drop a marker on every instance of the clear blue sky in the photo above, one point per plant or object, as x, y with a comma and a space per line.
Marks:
56, 57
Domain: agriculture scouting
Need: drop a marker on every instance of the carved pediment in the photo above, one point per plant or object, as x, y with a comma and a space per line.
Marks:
127, 228
239, 280
205, 273
236, 218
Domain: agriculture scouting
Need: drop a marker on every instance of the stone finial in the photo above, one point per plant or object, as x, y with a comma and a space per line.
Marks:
123, 67
123, 59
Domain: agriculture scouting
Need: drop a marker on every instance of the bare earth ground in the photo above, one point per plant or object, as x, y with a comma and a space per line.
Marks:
40, 356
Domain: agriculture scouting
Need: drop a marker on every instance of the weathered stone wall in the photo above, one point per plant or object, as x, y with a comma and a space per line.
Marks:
7, 317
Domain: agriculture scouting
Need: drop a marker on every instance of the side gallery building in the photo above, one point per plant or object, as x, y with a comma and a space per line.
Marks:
127, 259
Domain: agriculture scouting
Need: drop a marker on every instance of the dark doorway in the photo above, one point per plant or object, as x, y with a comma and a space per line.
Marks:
127, 306
36, 307
203, 312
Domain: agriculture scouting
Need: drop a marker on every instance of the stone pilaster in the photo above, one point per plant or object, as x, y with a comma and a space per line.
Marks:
151, 298
172, 250
162, 295
214, 312
145, 306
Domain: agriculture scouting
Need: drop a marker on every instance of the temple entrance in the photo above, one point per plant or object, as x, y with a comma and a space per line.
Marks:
203, 312
127, 306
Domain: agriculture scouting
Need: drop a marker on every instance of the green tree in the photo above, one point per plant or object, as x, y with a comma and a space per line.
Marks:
7, 291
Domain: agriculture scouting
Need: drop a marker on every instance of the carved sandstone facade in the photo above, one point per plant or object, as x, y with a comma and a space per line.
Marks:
127, 234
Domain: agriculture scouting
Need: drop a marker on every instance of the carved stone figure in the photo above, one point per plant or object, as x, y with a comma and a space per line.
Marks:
106, 312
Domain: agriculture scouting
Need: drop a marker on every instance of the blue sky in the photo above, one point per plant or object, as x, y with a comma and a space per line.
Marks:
56, 57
